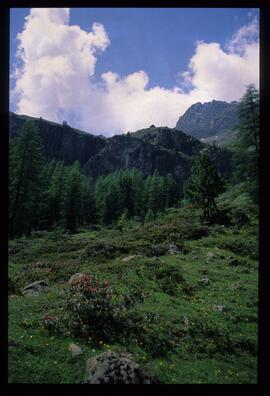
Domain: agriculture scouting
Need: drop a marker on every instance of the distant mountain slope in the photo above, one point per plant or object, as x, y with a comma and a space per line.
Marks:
165, 149
61, 141
128, 151
211, 121
170, 139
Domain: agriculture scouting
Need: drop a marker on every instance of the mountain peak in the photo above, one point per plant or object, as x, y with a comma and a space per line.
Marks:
215, 120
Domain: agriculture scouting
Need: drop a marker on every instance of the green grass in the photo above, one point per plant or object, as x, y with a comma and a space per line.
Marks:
186, 339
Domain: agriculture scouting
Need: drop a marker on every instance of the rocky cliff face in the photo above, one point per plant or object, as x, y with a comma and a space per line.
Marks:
128, 151
165, 149
211, 121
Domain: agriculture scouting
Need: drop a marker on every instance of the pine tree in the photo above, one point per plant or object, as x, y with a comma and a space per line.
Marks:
108, 198
127, 192
204, 184
172, 194
153, 192
88, 201
56, 195
73, 198
138, 189
26, 163
149, 216
44, 221
247, 142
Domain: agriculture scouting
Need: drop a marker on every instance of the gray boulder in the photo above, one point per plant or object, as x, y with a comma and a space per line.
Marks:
173, 249
220, 308
75, 350
233, 262
35, 288
204, 281
114, 368
75, 277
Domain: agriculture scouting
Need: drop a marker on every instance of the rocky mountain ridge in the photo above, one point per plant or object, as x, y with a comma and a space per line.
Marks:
210, 121
165, 149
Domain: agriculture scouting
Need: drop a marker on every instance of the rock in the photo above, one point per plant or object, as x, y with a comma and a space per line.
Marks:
220, 308
75, 350
234, 287
210, 121
204, 280
210, 255
35, 288
173, 249
114, 368
155, 258
75, 277
128, 258
12, 250
185, 321
232, 261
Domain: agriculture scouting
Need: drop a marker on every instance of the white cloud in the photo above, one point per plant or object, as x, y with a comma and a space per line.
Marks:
59, 60
246, 35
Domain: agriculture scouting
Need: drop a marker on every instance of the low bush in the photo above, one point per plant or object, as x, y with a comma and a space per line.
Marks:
91, 308
104, 248
170, 278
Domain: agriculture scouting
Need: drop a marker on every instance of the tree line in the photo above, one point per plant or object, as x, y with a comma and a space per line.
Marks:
43, 195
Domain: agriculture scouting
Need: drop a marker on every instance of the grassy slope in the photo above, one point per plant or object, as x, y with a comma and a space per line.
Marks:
201, 345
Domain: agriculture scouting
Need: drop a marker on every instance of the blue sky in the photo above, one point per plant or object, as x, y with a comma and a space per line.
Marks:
158, 42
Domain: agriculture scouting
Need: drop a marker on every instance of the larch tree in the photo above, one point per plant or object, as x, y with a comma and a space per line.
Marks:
204, 184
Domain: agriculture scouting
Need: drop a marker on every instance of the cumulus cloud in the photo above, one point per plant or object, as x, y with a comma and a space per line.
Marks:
58, 62
55, 80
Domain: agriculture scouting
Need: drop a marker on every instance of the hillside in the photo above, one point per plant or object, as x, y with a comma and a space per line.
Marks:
165, 149
183, 299
210, 121
60, 142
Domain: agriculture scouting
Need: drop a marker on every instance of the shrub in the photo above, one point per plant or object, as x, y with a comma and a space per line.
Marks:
57, 234
170, 278
160, 249
105, 248
239, 217
89, 309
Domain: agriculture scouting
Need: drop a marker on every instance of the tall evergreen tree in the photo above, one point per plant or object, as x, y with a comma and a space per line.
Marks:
26, 163
247, 141
204, 184
138, 188
56, 194
44, 221
172, 194
73, 198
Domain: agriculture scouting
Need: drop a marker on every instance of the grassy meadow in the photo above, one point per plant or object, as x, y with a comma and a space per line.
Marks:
189, 316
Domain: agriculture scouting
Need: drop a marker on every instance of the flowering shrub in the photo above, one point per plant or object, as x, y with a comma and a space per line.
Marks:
89, 309
53, 323
92, 310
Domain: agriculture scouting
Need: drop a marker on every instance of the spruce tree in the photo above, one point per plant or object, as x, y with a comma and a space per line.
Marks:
172, 194
246, 147
149, 216
204, 184
73, 198
26, 163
